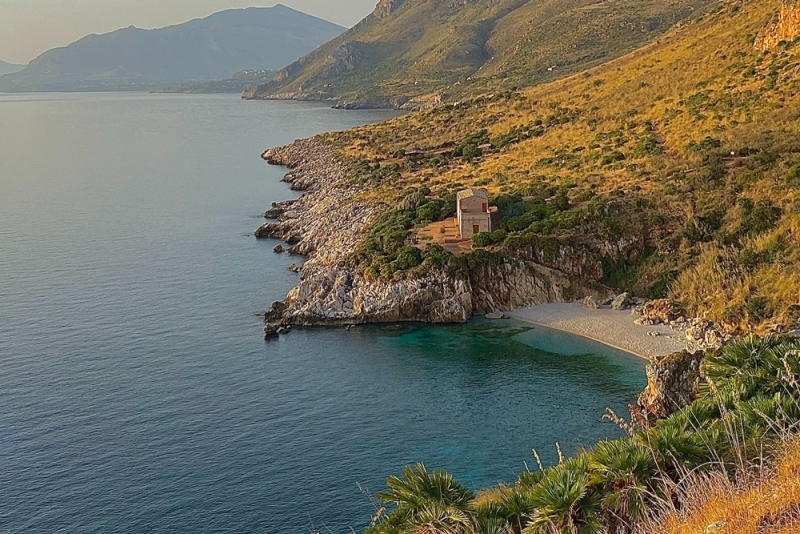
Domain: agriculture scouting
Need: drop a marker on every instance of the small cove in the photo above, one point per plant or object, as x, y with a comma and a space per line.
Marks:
137, 392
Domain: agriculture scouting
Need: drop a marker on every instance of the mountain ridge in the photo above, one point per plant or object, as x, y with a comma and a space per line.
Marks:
9, 68
210, 48
415, 52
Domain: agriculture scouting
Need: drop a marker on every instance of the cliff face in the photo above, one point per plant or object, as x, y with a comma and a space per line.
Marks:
673, 383
786, 29
327, 223
386, 8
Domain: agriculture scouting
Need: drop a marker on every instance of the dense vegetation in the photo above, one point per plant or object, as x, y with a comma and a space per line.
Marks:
387, 251
750, 401
686, 152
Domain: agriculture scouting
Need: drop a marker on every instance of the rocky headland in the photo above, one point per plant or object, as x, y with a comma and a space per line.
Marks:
329, 220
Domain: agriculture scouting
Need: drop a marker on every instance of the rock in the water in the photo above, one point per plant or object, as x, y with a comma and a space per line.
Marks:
591, 303
495, 315
621, 302
271, 331
294, 268
673, 383
278, 250
275, 313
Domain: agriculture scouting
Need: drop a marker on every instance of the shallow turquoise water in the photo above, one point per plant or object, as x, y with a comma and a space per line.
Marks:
136, 392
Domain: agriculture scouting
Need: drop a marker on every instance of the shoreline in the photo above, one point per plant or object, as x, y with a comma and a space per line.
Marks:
613, 328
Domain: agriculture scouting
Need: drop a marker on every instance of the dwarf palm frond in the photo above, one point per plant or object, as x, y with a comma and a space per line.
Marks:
420, 486
564, 502
438, 518
433, 498
623, 470
753, 365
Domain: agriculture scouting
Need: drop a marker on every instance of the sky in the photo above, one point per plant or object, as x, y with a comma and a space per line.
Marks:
30, 27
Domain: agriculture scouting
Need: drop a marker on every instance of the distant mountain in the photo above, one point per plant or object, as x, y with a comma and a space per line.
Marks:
440, 49
213, 48
9, 68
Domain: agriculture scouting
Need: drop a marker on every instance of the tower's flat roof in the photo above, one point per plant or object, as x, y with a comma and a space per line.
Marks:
470, 192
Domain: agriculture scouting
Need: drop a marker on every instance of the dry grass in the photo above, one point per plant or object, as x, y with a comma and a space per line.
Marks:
769, 503
706, 79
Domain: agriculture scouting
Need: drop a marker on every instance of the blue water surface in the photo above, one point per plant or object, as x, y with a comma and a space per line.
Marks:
136, 392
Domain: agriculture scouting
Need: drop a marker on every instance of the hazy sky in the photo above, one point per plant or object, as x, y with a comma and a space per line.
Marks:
30, 27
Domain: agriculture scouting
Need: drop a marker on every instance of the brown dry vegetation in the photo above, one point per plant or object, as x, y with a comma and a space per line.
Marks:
696, 136
460, 47
767, 503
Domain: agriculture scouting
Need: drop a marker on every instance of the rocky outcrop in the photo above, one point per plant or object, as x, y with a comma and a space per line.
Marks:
700, 333
621, 301
386, 8
344, 59
327, 223
278, 209
516, 283
786, 29
673, 383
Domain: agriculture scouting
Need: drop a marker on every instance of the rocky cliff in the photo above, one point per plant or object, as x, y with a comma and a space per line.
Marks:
786, 29
386, 8
673, 383
328, 222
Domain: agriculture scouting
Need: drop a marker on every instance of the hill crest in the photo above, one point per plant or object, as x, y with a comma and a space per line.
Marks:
421, 50
214, 47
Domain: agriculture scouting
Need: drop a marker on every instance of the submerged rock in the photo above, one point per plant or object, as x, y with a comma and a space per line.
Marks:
271, 331
278, 250
294, 268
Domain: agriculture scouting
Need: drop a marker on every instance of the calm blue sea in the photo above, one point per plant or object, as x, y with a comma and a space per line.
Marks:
136, 392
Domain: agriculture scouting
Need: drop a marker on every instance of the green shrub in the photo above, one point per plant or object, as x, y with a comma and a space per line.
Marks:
762, 218
484, 239
709, 143
758, 309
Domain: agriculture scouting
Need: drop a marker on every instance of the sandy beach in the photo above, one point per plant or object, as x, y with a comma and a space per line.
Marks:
611, 327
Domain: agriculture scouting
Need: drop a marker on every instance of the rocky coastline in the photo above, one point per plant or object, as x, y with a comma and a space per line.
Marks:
327, 223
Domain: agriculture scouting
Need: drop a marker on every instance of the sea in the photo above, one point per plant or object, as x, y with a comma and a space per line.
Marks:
137, 394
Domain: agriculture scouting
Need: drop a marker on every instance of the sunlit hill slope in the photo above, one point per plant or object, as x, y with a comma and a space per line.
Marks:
688, 147
430, 49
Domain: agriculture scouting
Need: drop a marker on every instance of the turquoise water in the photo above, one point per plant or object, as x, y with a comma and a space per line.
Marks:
136, 392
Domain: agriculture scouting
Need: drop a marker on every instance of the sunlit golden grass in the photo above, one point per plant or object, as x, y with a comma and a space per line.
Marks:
767, 503
703, 80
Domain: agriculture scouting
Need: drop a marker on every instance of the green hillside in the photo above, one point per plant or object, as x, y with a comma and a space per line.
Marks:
427, 49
